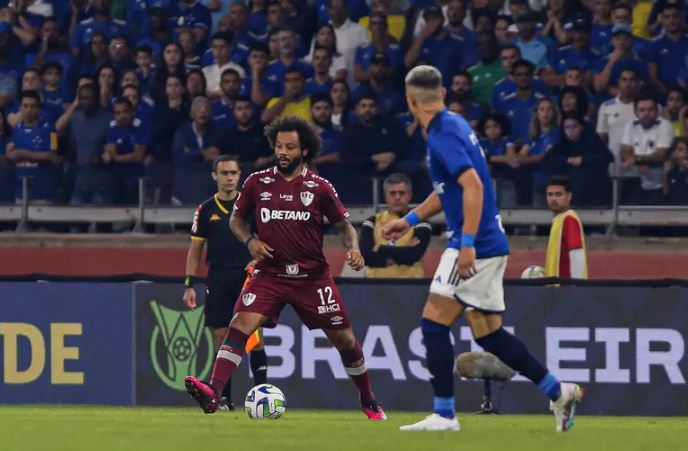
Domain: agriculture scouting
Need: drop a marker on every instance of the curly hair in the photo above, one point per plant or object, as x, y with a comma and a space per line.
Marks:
308, 137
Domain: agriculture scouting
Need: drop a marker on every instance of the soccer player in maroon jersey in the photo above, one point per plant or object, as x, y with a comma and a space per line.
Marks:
290, 204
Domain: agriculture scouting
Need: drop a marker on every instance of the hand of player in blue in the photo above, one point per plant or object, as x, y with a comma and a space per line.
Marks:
466, 262
395, 229
355, 260
259, 250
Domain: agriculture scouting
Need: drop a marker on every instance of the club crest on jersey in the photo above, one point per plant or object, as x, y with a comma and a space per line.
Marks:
307, 198
248, 299
266, 180
310, 184
265, 195
292, 269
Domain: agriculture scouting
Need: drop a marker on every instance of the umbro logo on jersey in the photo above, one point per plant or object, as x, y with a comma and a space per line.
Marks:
307, 198
266, 180
265, 195
214, 217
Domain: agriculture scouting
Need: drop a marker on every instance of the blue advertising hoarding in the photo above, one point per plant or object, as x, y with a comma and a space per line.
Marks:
133, 344
66, 343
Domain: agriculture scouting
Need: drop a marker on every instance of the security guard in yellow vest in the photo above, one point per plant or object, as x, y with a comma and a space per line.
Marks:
402, 258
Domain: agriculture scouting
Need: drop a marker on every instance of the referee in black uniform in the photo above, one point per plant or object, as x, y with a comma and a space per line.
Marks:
227, 260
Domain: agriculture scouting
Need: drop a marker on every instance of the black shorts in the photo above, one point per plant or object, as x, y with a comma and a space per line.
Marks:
222, 290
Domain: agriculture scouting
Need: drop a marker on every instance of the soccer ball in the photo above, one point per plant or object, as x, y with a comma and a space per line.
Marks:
533, 272
265, 402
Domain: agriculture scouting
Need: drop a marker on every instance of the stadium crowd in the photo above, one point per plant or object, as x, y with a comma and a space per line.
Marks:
95, 94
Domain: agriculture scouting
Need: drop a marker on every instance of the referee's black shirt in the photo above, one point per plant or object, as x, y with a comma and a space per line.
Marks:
211, 223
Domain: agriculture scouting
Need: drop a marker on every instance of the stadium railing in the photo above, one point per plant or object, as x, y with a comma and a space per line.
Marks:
145, 214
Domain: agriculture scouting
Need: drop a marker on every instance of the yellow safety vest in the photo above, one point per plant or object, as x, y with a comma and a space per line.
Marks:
554, 244
414, 271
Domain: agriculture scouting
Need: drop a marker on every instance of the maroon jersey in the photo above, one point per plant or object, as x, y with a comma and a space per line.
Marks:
290, 218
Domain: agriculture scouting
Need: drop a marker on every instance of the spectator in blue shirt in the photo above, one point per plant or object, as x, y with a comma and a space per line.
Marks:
7, 180
88, 129
460, 89
222, 108
144, 67
380, 41
544, 135
52, 49
159, 33
601, 32
328, 160
192, 150
33, 148
170, 115
106, 81
532, 46
102, 22
508, 55
96, 56
577, 54
120, 54
125, 148
456, 14
389, 100
371, 145
355, 8
10, 69
143, 106
321, 81
256, 83
434, 46
668, 51
610, 67
518, 106
288, 41
493, 132
191, 14
622, 14
31, 81
257, 19
54, 93
676, 180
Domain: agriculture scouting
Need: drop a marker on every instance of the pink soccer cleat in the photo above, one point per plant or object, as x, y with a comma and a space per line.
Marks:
373, 411
203, 393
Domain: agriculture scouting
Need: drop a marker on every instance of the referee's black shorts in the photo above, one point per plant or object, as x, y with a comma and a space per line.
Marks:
223, 286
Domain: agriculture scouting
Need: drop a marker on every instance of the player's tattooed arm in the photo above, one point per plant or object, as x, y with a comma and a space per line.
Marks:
349, 237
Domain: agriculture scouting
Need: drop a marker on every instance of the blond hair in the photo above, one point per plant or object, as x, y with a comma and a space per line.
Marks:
425, 82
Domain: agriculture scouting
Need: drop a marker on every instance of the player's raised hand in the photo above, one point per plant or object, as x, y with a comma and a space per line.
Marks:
394, 229
190, 298
355, 260
259, 250
466, 262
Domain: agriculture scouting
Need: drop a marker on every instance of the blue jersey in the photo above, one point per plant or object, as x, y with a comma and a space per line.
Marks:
452, 149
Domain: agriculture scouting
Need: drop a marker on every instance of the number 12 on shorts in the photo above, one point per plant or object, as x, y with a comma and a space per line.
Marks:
328, 304
325, 294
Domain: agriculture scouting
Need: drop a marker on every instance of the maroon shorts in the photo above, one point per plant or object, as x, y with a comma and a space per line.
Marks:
317, 301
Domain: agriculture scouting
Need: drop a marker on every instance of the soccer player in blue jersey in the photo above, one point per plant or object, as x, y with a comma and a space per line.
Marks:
469, 276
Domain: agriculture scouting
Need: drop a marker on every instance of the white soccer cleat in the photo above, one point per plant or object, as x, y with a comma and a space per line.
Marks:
564, 408
433, 422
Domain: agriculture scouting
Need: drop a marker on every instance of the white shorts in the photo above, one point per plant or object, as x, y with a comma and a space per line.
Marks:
484, 291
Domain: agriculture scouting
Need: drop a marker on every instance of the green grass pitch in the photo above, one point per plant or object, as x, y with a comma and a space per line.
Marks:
38, 428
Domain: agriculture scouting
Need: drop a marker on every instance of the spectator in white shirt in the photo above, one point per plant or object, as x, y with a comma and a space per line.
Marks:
645, 146
221, 46
349, 35
616, 113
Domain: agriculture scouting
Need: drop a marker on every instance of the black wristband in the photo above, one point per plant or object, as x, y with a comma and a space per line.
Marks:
248, 240
188, 281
